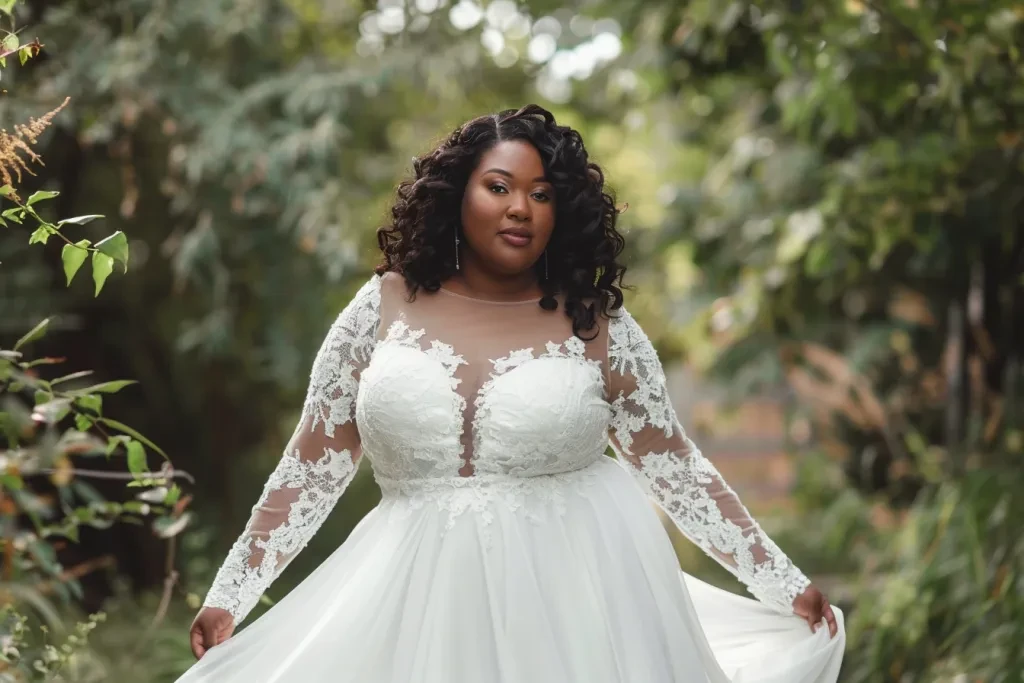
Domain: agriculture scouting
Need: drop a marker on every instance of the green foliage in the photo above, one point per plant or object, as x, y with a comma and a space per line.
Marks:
854, 211
47, 428
108, 251
25, 658
945, 598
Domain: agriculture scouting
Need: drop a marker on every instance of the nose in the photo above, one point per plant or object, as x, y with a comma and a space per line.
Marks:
518, 207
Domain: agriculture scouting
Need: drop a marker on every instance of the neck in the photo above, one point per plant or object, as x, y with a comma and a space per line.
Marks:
475, 280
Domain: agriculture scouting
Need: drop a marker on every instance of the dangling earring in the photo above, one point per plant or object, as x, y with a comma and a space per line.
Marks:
548, 302
456, 248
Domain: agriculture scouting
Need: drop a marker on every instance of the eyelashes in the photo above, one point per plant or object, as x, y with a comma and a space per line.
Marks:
497, 188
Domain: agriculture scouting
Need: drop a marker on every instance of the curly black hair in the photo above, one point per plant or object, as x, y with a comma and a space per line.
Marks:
584, 245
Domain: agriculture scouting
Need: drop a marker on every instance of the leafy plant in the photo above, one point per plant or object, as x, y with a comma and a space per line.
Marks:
854, 210
48, 428
944, 598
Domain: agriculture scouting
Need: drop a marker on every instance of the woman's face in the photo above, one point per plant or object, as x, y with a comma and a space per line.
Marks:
508, 210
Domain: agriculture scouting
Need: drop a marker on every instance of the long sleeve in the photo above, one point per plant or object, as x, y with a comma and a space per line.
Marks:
317, 465
646, 434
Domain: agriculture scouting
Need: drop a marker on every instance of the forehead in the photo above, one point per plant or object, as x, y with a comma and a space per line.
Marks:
518, 157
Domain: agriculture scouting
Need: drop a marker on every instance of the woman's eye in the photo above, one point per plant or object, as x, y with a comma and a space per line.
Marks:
497, 188
541, 196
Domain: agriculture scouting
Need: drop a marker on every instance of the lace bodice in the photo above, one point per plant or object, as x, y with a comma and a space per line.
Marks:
447, 393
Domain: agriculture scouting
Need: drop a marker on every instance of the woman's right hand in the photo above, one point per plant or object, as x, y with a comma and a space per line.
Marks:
212, 626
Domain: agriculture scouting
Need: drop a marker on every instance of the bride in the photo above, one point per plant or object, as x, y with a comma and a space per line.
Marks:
483, 370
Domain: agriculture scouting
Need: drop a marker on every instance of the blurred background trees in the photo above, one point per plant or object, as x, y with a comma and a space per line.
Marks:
824, 204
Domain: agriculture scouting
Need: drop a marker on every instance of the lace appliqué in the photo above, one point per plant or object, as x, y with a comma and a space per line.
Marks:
631, 354
400, 333
331, 395
681, 479
681, 486
479, 494
574, 348
306, 488
486, 431
239, 584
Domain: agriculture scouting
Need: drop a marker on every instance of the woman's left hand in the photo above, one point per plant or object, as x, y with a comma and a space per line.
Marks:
813, 606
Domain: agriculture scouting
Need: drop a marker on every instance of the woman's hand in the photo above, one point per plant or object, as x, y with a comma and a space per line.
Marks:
813, 606
212, 626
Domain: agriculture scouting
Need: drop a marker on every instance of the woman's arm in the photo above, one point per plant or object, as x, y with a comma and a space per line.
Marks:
646, 434
317, 465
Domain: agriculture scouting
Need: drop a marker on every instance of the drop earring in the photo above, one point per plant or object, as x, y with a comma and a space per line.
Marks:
548, 302
456, 248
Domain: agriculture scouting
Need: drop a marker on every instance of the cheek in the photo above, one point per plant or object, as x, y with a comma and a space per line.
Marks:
478, 205
544, 220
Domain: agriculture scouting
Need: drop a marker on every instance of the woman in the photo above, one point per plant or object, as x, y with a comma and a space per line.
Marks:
483, 370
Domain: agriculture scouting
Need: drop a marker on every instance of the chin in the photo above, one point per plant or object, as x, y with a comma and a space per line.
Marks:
508, 266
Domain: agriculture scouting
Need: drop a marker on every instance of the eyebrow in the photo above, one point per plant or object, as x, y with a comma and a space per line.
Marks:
501, 171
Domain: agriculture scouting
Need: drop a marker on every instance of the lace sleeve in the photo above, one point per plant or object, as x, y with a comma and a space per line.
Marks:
646, 434
317, 465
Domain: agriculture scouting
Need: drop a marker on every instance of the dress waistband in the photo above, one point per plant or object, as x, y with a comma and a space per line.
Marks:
498, 483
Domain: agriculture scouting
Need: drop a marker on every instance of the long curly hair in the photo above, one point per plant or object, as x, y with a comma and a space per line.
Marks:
419, 241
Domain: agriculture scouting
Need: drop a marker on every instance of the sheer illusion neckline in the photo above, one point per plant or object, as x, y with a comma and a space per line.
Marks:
520, 302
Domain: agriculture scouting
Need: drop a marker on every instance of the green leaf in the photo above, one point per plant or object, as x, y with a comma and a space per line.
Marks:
121, 427
115, 441
12, 482
11, 42
111, 387
43, 361
24, 54
102, 267
73, 375
173, 495
116, 247
15, 213
3, 62
136, 458
80, 220
136, 506
73, 256
40, 235
6, 191
40, 195
35, 333
91, 403
7, 6
168, 527
83, 423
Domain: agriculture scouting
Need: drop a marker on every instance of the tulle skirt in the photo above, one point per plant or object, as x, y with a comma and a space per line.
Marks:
565, 578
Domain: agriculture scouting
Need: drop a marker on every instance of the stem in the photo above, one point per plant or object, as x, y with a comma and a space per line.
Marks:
103, 474
34, 45
170, 581
53, 228
77, 572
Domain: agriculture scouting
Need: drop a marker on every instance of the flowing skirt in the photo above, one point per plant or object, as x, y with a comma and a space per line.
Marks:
557, 579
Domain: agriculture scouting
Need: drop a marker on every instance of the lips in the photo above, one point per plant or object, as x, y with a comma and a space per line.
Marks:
517, 237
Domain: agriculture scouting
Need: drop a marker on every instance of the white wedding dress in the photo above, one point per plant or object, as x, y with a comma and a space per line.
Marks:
507, 547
